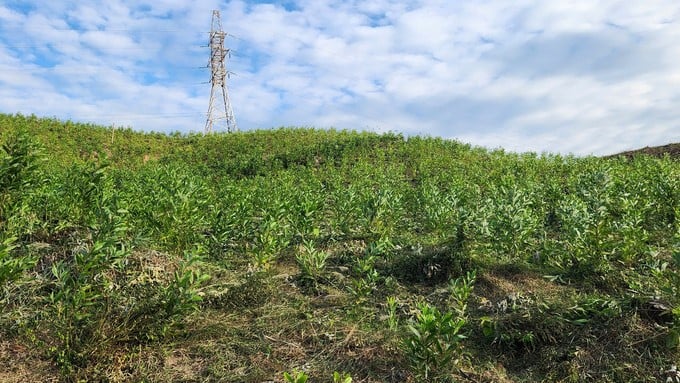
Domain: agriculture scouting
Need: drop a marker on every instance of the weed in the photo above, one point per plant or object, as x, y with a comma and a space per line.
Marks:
270, 241
432, 344
302, 377
341, 377
392, 319
295, 377
460, 290
366, 279
312, 263
12, 265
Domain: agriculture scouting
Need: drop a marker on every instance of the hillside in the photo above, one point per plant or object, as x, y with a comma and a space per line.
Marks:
277, 255
671, 150
239, 154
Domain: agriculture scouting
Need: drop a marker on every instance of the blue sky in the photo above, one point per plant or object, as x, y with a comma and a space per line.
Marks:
576, 76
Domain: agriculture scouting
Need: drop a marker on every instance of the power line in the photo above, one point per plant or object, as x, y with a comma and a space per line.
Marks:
137, 116
53, 46
24, 30
33, 67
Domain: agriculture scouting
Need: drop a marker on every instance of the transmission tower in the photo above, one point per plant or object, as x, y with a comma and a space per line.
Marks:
219, 108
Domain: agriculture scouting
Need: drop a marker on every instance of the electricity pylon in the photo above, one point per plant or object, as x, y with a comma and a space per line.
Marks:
219, 108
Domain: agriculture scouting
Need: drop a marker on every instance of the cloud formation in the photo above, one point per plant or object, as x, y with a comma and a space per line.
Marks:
577, 77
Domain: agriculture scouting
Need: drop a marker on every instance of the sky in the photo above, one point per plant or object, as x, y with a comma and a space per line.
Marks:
571, 77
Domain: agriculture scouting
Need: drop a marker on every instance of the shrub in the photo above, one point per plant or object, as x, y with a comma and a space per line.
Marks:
12, 265
312, 263
432, 344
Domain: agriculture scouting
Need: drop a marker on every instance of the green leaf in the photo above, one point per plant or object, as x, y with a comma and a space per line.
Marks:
673, 339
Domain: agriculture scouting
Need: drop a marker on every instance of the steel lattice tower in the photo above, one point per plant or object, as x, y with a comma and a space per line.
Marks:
219, 108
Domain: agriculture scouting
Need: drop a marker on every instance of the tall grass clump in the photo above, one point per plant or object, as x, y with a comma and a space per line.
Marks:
20, 158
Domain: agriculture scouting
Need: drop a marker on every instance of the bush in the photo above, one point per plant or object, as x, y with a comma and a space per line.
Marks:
433, 343
312, 263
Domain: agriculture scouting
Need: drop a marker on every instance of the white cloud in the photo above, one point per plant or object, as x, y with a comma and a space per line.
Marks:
107, 42
578, 76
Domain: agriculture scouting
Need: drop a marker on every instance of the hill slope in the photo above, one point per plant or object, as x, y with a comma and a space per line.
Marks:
672, 150
236, 258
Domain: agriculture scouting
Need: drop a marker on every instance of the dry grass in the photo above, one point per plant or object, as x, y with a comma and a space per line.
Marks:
252, 327
20, 364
